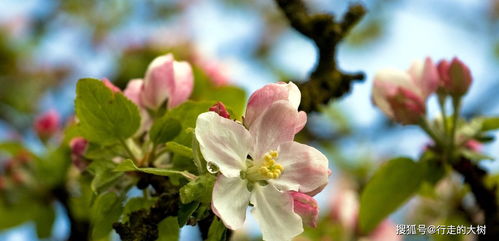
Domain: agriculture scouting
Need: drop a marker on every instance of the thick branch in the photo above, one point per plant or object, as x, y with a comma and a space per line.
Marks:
143, 224
326, 81
485, 197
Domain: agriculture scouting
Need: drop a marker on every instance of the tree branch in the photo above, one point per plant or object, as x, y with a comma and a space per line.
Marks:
79, 229
485, 197
326, 81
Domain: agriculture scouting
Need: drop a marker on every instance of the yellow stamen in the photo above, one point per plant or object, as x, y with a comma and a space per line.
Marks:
270, 168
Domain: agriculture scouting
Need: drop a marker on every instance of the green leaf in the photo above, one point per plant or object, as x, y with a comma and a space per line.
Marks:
44, 221
216, 231
199, 161
185, 212
168, 229
128, 166
105, 116
105, 211
51, 170
179, 149
104, 175
475, 156
490, 123
199, 189
17, 213
135, 204
187, 114
165, 129
394, 183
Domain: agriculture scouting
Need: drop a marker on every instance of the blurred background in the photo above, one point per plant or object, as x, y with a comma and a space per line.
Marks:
47, 45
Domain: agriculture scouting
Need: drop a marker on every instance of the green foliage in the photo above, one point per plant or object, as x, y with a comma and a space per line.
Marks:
104, 175
105, 116
490, 123
135, 204
44, 221
216, 231
168, 229
390, 187
52, 169
14, 214
128, 165
185, 212
199, 189
105, 211
234, 98
179, 149
164, 129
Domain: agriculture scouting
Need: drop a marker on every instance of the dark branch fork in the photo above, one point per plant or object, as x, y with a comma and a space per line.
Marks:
327, 81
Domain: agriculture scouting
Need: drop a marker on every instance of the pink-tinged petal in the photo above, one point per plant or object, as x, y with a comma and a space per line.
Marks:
306, 206
304, 168
184, 82
78, 147
220, 109
275, 126
424, 76
408, 108
110, 85
223, 142
386, 83
345, 208
230, 200
273, 211
319, 189
133, 90
261, 99
47, 124
158, 82
443, 72
386, 231
302, 121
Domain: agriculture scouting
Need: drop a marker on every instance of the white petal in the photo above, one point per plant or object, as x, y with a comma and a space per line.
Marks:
223, 142
275, 126
305, 168
273, 211
230, 200
294, 95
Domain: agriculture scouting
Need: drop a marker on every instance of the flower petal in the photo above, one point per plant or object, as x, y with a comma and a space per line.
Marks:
273, 211
275, 126
230, 200
304, 168
261, 99
133, 89
302, 121
386, 82
223, 142
158, 82
183, 83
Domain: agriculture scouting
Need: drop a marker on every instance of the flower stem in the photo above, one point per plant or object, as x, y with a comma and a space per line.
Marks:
456, 103
426, 127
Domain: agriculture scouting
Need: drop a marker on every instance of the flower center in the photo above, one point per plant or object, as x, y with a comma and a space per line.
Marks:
268, 169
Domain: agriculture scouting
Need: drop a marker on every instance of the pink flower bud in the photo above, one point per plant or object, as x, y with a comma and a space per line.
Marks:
47, 124
424, 76
455, 77
345, 208
220, 109
133, 91
460, 78
261, 99
110, 85
397, 95
306, 206
385, 231
474, 145
78, 147
167, 79
408, 108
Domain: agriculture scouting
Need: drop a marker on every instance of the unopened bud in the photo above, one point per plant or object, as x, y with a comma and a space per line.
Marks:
110, 85
220, 109
78, 147
306, 206
47, 125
